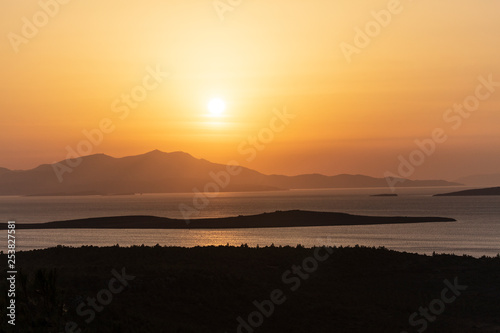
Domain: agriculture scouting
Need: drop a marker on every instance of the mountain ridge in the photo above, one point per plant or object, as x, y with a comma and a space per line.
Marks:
175, 172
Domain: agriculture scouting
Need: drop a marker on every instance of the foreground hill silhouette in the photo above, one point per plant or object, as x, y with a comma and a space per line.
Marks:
159, 172
476, 192
293, 218
205, 289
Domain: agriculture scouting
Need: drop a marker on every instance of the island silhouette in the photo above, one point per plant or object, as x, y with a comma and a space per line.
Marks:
473, 192
278, 219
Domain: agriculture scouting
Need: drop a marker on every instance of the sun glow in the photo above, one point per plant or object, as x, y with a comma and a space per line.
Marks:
216, 107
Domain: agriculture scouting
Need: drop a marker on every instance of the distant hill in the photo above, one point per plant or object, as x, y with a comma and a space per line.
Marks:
485, 180
478, 192
345, 181
177, 172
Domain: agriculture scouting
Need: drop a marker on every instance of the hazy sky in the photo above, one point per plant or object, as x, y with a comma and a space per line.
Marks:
356, 111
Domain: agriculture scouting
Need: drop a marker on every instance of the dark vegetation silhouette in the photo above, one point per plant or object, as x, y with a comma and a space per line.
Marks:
204, 289
39, 302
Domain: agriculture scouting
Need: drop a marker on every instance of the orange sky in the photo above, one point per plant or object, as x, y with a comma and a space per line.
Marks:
350, 117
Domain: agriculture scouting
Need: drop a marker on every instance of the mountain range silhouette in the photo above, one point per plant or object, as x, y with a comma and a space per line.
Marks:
160, 172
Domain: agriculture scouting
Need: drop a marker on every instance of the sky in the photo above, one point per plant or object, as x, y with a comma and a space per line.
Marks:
359, 82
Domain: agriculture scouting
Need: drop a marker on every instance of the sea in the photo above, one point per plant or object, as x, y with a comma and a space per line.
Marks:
476, 232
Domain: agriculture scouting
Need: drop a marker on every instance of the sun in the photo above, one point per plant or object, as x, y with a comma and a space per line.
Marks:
216, 107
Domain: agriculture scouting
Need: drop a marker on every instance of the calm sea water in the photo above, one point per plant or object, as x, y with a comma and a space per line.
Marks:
477, 231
